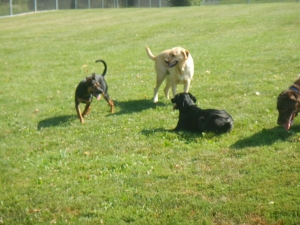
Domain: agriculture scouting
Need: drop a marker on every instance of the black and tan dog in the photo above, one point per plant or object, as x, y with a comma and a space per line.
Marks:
288, 105
93, 85
192, 118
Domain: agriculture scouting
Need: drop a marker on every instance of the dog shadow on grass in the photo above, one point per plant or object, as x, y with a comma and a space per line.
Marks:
266, 137
55, 121
150, 131
135, 106
182, 135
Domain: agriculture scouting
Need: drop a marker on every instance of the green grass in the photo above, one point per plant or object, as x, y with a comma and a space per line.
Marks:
126, 168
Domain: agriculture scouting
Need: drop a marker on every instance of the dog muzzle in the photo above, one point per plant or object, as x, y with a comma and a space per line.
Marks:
170, 65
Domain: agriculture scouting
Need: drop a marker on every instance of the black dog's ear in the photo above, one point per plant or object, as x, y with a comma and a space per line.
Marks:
192, 97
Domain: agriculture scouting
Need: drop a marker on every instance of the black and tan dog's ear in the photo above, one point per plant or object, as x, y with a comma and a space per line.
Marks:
89, 79
192, 97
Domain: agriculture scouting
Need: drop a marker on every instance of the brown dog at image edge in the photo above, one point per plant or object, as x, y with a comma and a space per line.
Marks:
288, 105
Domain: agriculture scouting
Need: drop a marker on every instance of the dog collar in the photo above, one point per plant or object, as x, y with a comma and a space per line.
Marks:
293, 89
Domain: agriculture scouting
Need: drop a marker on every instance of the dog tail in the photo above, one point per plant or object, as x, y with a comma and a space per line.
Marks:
105, 66
149, 53
229, 126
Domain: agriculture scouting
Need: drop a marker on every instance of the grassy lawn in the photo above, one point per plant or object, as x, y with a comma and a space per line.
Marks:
126, 167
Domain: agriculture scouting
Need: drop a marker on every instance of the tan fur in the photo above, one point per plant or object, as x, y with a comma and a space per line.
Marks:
181, 73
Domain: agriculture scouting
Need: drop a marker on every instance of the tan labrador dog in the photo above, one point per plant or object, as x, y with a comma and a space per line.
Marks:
176, 65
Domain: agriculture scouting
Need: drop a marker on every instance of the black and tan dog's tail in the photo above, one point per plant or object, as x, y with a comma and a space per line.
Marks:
105, 66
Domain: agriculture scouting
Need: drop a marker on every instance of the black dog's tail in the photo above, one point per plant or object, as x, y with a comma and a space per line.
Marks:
105, 67
227, 125
220, 125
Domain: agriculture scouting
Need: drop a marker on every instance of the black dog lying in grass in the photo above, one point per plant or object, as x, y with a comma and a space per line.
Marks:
93, 85
192, 118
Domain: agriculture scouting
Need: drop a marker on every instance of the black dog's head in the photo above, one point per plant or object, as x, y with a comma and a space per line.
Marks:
93, 86
288, 107
183, 100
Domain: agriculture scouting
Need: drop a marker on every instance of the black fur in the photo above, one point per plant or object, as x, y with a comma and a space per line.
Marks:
93, 85
194, 119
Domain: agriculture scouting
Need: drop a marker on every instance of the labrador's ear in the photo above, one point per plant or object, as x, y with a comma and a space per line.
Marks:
185, 53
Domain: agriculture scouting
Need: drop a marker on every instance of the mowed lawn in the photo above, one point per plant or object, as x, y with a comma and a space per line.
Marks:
126, 167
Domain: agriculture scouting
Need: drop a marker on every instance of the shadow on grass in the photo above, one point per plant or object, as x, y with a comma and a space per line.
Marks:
184, 135
266, 137
55, 121
133, 106
148, 132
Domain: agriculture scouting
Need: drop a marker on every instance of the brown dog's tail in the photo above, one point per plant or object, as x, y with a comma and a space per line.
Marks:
149, 53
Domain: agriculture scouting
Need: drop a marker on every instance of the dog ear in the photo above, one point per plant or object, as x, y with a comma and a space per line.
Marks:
293, 96
185, 53
193, 97
297, 99
89, 79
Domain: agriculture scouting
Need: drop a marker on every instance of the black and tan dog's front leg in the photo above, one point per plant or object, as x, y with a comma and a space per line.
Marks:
85, 112
87, 109
79, 112
110, 102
